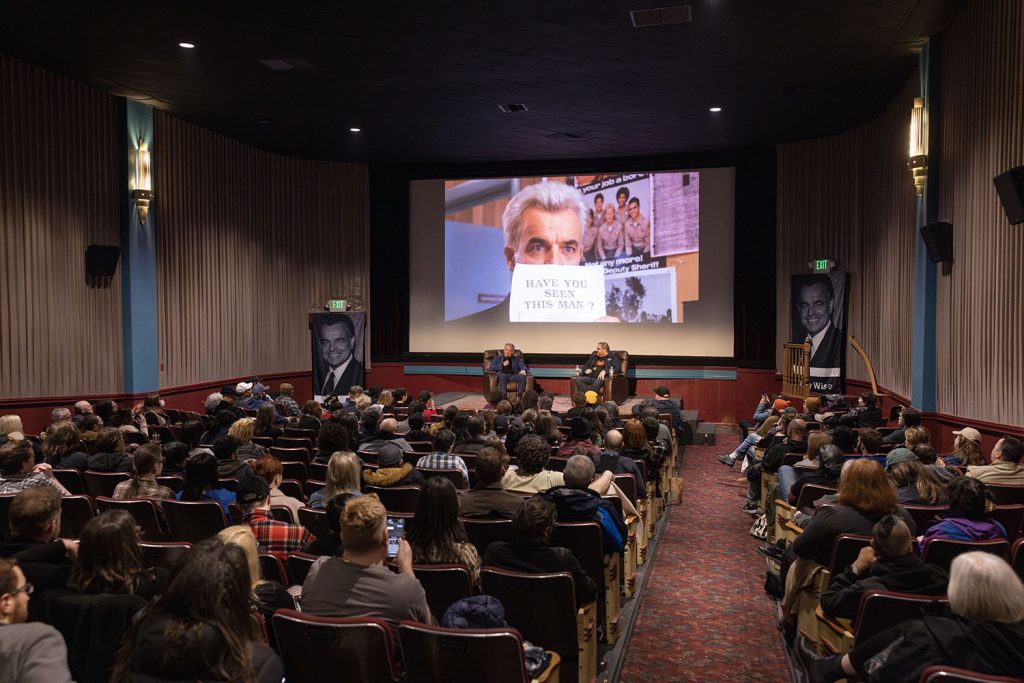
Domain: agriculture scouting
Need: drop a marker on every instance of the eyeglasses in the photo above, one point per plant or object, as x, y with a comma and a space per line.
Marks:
26, 589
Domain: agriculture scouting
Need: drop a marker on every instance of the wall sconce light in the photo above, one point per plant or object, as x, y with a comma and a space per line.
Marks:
142, 192
918, 161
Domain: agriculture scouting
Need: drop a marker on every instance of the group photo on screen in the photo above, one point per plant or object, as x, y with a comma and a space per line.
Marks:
610, 247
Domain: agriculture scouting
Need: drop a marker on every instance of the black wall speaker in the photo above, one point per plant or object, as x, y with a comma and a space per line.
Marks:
1010, 186
101, 260
938, 238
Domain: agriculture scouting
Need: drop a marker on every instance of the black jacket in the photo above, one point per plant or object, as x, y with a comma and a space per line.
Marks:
110, 462
904, 574
541, 560
815, 543
621, 464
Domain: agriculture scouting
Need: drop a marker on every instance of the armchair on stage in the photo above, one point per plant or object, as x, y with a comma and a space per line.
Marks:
615, 388
491, 378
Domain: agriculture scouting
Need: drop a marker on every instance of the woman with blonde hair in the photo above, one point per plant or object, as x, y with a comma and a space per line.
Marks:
966, 448
10, 426
344, 472
243, 430
267, 596
913, 436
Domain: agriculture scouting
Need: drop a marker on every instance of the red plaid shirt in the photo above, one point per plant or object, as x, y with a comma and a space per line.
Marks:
276, 538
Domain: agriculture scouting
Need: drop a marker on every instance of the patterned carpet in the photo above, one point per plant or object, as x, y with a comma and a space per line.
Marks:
703, 614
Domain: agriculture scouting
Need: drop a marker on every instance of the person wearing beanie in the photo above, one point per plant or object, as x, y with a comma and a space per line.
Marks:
391, 470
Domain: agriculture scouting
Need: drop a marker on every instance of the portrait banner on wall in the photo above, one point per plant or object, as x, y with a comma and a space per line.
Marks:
337, 347
818, 306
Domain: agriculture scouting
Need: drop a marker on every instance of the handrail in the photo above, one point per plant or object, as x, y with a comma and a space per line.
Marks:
867, 361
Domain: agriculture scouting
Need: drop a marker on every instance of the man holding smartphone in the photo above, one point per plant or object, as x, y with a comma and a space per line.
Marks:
359, 584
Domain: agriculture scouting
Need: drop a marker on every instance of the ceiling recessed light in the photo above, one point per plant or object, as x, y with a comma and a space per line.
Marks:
187, 46
715, 109
355, 130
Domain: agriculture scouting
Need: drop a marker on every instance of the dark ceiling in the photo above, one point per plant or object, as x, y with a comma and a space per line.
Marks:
424, 80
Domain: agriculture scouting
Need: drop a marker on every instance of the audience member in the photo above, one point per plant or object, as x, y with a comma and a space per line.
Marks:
267, 596
384, 434
30, 652
443, 458
334, 437
191, 434
228, 465
532, 474
546, 404
201, 482
284, 399
866, 414
416, 432
613, 460
845, 439
912, 436
391, 470
242, 431
795, 442
110, 560
1006, 467
887, 564
447, 419
968, 519
908, 418
579, 500
109, 455
579, 435
984, 633
357, 584
330, 545
62, 447
153, 410
915, 484
272, 536
17, 471
474, 437
225, 418
438, 536
830, 466
175, 454
147, 463
926, 454
270, 469
201, 628
266, 416
966, 448
343, 475
869, 441
531, 550
309, 418
489, 498
33, 540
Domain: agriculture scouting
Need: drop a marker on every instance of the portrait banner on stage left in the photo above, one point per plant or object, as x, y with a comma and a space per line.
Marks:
819, 304
337, 347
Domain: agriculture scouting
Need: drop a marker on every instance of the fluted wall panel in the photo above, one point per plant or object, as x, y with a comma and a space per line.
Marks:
58, 194
851, 198
247, 243
980, 301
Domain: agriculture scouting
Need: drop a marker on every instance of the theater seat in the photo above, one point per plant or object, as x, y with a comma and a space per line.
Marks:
299, 565
163, 554
942, 551
495, 655
949, 674
443, 584
358, 650
192, 521
396, 498
482, 532
878, 611
75, 513
145, 513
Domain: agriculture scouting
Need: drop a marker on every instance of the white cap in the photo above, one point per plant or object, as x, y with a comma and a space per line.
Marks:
243, 387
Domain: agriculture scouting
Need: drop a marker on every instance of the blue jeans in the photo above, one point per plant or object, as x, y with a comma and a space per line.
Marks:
787, 477
743, 450
504, 380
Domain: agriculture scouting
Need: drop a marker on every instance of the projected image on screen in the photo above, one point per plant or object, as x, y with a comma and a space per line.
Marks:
612, 247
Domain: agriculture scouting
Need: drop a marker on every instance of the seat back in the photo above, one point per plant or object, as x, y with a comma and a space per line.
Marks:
309, 646
294, 470
845, 549
542, 607
809, 493
627, 484
292, 489
103, 483
396, 498
1011, 517
163, 554
72, 480
584, 540
75, 513
299, 565
942, 551
192, 521
316, 521
482, 532
145, 512
289, 454
433, 653
273, 569
452, 475
1007, 494
951, 674
172, 481
295, 433
925, 516
1017, 557
444, 584
881, 609
421, 446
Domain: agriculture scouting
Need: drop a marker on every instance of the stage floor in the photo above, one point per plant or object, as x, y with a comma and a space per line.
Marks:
476, 401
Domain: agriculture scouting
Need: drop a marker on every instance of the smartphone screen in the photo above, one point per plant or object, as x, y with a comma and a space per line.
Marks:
396, 530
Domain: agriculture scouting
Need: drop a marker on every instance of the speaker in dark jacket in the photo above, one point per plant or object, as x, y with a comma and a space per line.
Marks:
938, 239
1010, 186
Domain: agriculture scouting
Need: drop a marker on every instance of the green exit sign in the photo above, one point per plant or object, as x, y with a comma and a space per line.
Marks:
822, 265
337, 304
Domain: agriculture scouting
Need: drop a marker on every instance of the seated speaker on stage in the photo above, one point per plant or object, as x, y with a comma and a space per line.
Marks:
601, 364
509, 367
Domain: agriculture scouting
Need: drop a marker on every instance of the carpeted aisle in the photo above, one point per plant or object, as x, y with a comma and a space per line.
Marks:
703, 615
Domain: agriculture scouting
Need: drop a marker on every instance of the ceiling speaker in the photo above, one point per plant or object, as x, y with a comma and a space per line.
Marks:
1010, 186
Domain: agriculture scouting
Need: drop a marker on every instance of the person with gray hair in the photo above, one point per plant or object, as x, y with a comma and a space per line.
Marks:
579, 500
212, 402
984, 632
60, 415
543, 224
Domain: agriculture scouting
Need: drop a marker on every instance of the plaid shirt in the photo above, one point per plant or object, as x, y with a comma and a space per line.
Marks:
291, 408
443, 461
148, 488
19, 481
276, 538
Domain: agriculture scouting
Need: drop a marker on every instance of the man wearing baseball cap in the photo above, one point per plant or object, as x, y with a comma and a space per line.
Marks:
272, 536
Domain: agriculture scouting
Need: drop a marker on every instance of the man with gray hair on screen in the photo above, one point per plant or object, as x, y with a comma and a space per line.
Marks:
543, 225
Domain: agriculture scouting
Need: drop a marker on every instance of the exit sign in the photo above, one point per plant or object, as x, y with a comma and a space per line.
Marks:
822, 265
336, 304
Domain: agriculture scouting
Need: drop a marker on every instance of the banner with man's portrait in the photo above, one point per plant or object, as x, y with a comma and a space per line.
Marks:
337, 347
818, 306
